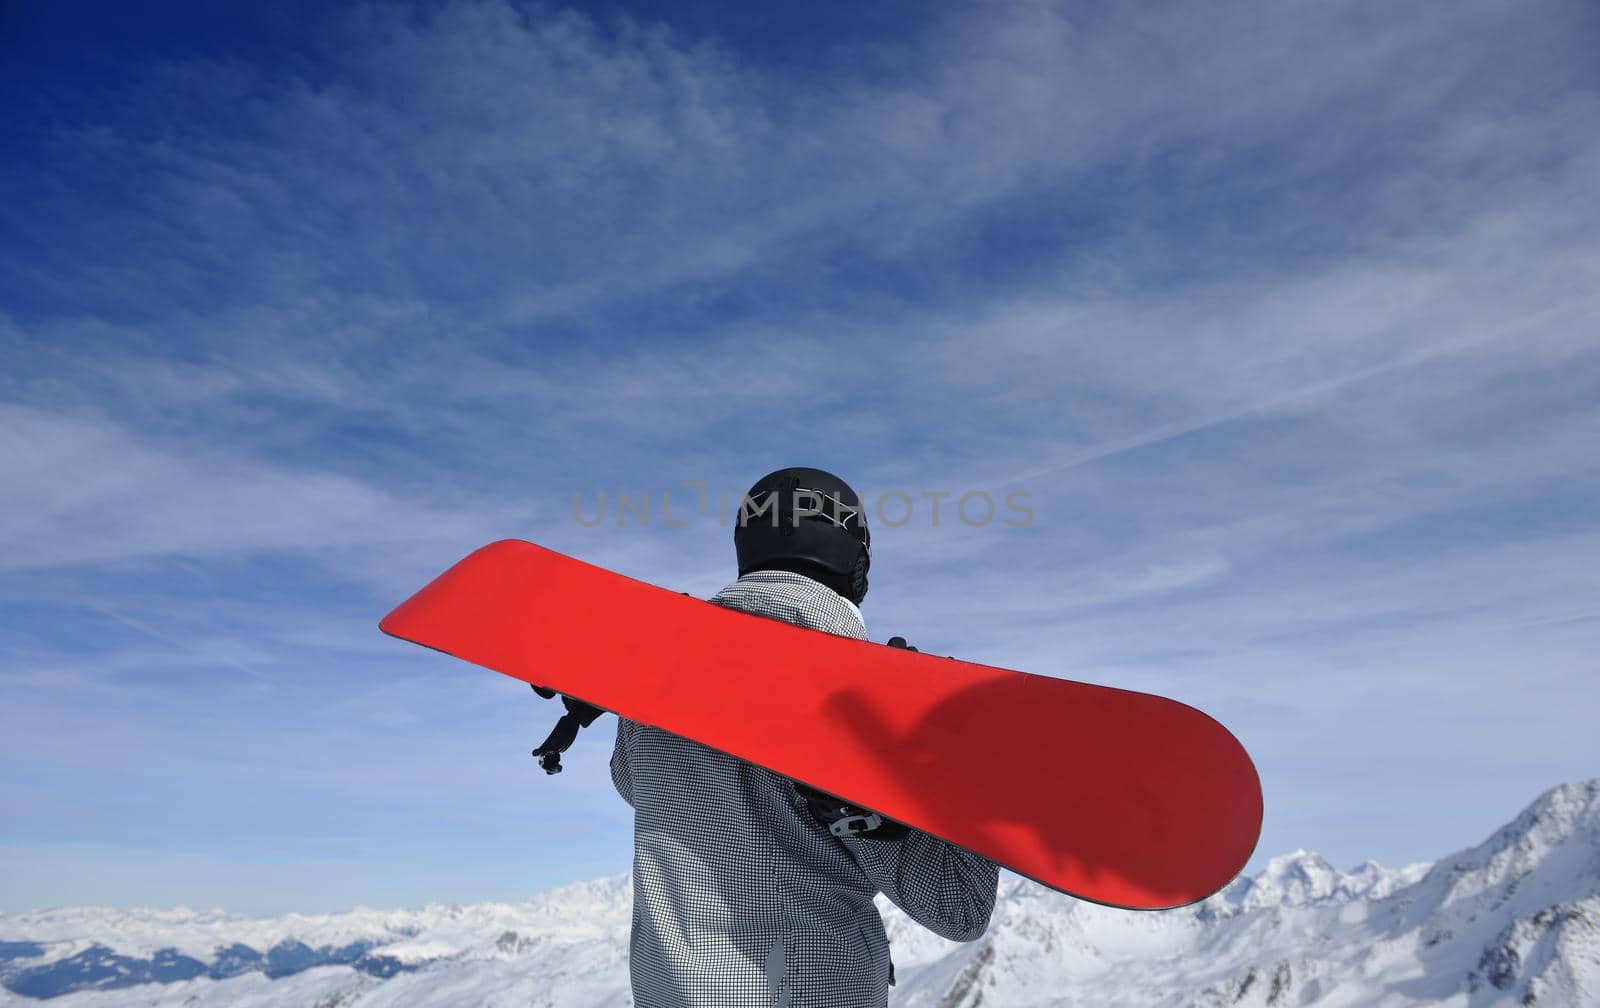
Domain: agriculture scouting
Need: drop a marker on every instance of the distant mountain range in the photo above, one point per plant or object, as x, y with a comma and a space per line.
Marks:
1514, 921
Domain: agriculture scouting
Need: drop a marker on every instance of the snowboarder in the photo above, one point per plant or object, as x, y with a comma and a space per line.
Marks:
751, 889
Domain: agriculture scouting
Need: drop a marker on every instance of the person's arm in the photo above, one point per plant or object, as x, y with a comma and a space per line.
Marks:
621, 771
947, 889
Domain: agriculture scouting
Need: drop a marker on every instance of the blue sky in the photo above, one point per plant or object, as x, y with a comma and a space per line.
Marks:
1284, 320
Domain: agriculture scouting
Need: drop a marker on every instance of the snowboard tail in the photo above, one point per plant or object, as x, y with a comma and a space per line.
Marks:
1117, 797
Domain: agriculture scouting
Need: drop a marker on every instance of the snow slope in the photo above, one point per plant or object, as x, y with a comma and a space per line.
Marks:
1512, 921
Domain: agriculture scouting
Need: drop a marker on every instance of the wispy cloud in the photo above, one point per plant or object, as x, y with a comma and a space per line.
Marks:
88, 491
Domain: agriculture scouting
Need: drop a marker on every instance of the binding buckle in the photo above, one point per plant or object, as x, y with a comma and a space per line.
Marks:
853, 824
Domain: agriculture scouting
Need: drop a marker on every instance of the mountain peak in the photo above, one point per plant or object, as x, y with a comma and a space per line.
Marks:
1545, 856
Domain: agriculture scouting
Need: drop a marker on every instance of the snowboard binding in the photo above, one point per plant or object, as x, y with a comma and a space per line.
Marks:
846, 820
578, 715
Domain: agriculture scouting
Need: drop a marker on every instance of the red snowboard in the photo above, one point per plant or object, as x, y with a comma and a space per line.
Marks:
1121, 798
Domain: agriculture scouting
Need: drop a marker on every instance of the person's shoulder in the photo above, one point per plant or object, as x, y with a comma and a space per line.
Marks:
796, 599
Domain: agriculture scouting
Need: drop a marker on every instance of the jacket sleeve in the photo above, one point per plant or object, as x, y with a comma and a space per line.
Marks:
621, 770
947, 889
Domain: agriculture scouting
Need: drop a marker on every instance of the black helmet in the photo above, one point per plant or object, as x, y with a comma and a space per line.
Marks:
809, 522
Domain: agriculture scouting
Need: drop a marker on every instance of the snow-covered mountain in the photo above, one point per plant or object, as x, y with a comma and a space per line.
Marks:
1512, 921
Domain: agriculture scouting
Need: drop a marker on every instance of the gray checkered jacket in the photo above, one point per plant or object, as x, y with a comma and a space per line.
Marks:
741, 898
